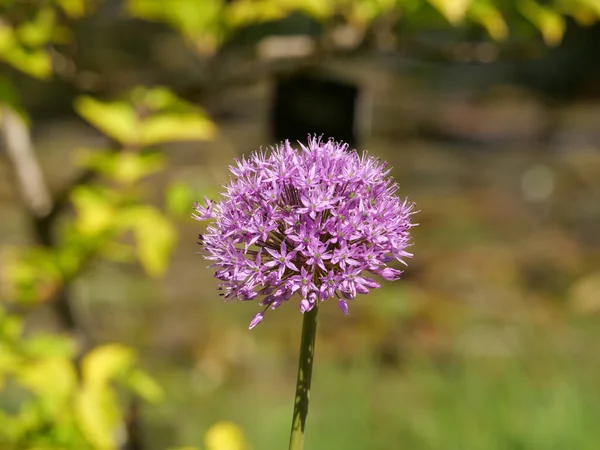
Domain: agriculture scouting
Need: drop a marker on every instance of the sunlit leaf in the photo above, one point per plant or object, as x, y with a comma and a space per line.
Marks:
180, 198
319, 9
50, 345
103, 364
30, 275
131, 167
98, 416
155, 238
72, 8
550, 22
95, 211
224, 436
145, 386
246, 12
192, 18
176, 127
453, 10
53, 379
123, 167
11, 327
490, 18
117, 120
38, 31
34, 62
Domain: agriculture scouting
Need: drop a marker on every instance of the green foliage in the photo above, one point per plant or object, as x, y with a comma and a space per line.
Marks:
46, 401
29, 29
148, 117
207, 24
179, 197
47, 404
106, 213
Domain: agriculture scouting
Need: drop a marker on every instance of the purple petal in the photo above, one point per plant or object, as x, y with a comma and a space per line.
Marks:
390, 274
305, 306
343, 304
258, 317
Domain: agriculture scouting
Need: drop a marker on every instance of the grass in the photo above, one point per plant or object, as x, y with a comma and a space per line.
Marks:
538, 399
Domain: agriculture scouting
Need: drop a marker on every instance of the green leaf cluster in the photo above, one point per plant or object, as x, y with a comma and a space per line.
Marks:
147, 117
208, 23
28, 30
47, 403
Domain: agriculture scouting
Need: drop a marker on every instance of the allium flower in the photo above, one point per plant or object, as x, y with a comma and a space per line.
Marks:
317, 221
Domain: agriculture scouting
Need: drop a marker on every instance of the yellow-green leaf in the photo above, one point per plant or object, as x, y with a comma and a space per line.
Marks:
53, 379
173, 127
98, 417
180, 198
95, 211
7, 38
490, 18
145, 386
38, 31
103, 364
155, 237
73, 8
50, 345
130, 167
36, 63
453, 10
117, 120
550, 23
224, 436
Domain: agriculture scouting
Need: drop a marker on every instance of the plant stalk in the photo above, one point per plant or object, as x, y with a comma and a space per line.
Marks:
305, 365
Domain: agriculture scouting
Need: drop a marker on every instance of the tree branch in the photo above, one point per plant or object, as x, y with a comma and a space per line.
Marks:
20, 151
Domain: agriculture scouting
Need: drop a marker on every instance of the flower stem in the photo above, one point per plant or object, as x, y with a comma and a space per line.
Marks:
305, 365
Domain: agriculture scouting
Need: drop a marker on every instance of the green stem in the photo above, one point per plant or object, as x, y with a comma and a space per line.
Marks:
305, 364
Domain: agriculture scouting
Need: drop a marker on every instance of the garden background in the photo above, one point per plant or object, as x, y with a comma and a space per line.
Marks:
117, 115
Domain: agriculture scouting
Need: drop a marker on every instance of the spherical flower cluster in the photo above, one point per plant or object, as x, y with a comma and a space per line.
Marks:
314, 221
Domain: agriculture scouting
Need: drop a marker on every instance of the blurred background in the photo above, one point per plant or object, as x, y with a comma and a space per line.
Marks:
117, 115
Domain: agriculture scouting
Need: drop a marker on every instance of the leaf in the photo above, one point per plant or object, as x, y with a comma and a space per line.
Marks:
224, 436
159, 98
74, 9
193, 18
145, 386
180, 198
105, 363
490, 17
53, 379
98, 416
34, 62
50, 345
95, 210
171, 118
246, 12
176, 127
30, 275
7, 38
453, 10
38, 31
117, 120
550, 23
132, 167
123, 167
155, 237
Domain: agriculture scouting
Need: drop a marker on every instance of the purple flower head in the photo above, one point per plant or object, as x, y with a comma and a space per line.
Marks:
314, 221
